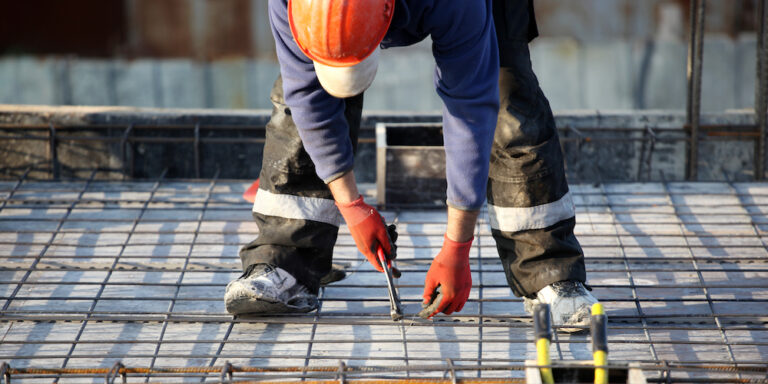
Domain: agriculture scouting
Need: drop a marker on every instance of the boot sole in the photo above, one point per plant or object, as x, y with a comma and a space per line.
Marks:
583, 318
248, 305
239, 300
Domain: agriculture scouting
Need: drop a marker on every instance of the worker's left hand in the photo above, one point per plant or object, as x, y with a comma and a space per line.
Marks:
450, 271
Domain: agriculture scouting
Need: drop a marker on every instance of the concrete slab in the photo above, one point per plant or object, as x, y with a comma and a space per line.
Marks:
7, 77
719, 76
608, 79
746, 71
260, 77
183, 84
665, 81
228, 88
92, 82
136, 83
34, 81
404, 81
556, 64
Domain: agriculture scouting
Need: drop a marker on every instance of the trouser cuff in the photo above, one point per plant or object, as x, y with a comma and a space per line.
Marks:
306, 265
536, 258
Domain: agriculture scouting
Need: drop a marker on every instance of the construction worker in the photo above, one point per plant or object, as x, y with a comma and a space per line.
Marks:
503, 148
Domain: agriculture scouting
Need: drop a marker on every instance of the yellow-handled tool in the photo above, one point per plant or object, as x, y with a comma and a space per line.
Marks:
542, 329
599, 328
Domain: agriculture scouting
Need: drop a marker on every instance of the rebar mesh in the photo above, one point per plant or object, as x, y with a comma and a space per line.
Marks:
96, 273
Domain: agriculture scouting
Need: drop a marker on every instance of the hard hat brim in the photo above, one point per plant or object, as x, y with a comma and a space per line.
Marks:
343, 82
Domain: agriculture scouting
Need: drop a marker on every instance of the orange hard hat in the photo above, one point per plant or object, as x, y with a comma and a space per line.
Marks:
339, 33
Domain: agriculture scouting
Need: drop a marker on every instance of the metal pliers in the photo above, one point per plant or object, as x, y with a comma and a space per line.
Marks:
394, 300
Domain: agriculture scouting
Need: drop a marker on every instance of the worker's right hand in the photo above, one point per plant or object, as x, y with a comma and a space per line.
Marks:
450, 271
369, 231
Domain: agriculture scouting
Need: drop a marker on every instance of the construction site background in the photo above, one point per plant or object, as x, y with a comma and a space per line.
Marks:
593, 54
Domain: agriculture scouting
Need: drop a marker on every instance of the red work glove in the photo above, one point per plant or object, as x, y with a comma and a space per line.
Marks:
450, 271
368, 229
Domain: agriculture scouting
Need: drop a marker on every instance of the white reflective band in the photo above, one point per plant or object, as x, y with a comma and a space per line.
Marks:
296, 207
516, 219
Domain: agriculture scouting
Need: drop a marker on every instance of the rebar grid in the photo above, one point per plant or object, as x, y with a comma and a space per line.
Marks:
94, 273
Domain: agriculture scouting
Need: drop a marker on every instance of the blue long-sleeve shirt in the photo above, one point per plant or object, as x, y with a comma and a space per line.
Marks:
466, 78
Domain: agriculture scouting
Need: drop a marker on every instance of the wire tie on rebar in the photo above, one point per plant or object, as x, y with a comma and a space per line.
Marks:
226, 372
5, 372
342, 367
451, 370
113, 372
667, 372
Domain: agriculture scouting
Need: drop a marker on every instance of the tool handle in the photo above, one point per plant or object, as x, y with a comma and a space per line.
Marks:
380, 253
542, 328
385, 264
599, 329
542, 325
542, 359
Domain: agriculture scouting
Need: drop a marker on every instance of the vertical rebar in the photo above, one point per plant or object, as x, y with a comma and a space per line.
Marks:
15, 188
694, 64
313, 332
124, 150
761, 90
52, 150
221, 348
649, 158
197, 150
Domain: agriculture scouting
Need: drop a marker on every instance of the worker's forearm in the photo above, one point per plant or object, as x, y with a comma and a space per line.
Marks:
461, 224
344, 189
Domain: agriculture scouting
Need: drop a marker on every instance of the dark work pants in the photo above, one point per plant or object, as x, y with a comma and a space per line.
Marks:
297, 218
531, 211
530, 207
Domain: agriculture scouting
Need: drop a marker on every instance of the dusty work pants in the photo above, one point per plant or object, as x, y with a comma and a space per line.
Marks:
297, 218
530, 208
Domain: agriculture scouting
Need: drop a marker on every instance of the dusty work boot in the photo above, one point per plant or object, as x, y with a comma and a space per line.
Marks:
569, 304
337, 273
264, 288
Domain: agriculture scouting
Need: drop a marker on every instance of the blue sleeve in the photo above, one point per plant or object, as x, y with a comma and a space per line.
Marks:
466, 78
319, 117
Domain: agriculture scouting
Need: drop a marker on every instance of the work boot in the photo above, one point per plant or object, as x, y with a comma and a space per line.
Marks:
569, 303
264, 288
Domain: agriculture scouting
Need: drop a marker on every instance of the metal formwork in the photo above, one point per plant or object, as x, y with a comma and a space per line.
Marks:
125, 279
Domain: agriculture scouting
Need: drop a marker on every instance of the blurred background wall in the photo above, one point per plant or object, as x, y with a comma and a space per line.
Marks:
592, 54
